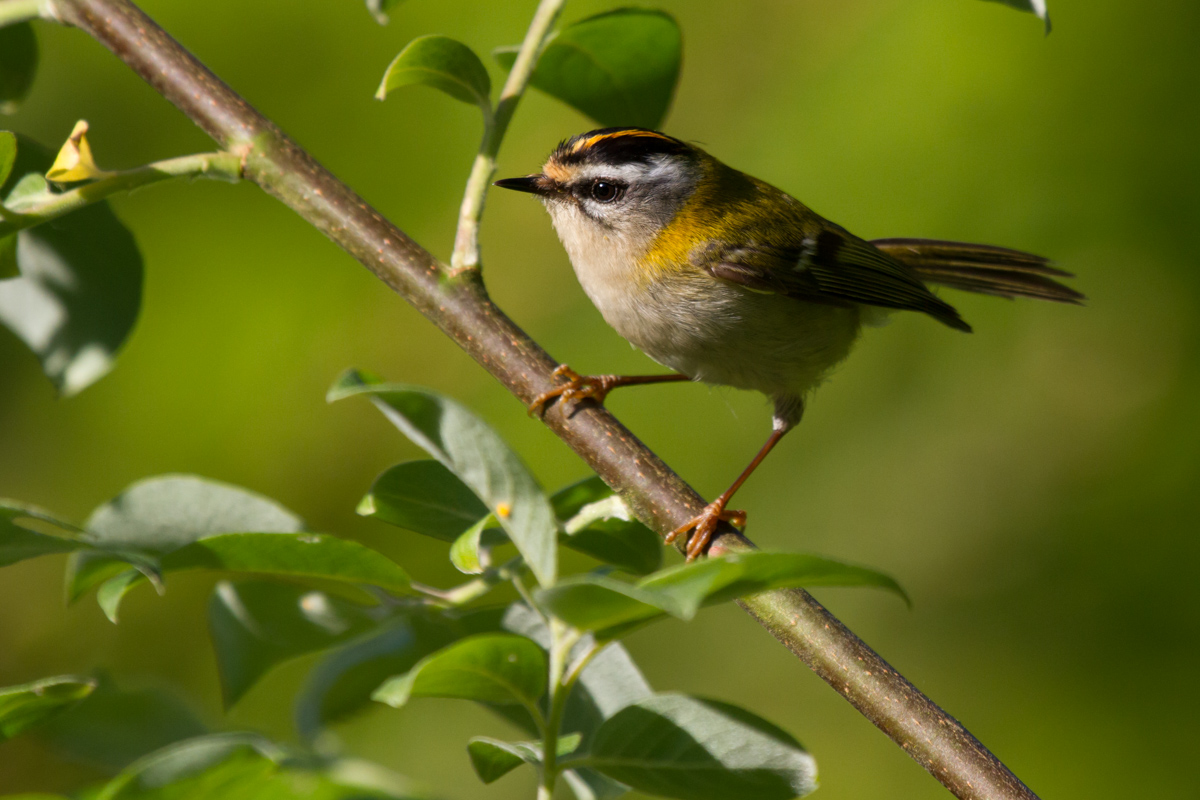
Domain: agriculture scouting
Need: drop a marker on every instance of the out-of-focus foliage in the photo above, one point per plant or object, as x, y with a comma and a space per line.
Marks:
1032, 485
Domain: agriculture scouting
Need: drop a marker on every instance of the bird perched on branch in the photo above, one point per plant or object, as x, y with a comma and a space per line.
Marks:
727, 280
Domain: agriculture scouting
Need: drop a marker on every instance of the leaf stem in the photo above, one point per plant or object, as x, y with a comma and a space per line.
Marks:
466, 239
35, 209
562, 639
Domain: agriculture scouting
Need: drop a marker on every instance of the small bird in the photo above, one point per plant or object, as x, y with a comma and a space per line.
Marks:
727, 280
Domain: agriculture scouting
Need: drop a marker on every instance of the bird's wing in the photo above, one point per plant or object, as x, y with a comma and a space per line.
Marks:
829, 266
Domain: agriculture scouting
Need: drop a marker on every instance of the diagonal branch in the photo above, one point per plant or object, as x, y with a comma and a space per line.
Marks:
460, 307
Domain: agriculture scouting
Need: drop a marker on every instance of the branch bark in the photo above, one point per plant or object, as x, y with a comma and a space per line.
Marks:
460, 307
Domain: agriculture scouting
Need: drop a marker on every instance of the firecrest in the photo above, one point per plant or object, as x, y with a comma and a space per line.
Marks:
728, 280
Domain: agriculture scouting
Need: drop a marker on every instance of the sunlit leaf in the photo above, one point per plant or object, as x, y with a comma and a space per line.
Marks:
443, 63
494, 758
18, 62
619, 67
256, 625
489, 668
672, 745
157, 515
468, 554
293, 555
80, 285
469, 448
29, 704
425, 497
74, 161
610, 607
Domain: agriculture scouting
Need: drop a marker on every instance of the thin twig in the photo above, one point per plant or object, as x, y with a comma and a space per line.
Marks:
464, 312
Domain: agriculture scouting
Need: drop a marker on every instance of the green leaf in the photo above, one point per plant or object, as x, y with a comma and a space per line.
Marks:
626, 544
469, 448
342, 682
611, 608
157, 515
9, 268
24, 706
295, 555
619, 67
443, 63
8, 151
1037, 7
570, 500
469, 552
379, 9
18, 62
494, 758
672, 745
256, 625
21, 535
425, 497
489, 668
80, 284
113, 726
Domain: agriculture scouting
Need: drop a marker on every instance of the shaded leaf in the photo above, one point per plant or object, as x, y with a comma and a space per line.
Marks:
21, 535
443, 63
494, 758
619, 67
569, 500
469, 448
256, 625
22, 707
8, 154
296, 555
425, 497
8, 256
18, 63
673, 745
344, 680
489, 668
113, 727
611, 608
80, 284
625, 544
161, 514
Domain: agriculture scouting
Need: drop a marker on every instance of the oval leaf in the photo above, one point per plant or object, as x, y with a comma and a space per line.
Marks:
443, 63
569, 500
256, 625
18, 62
673, 745
489, 668
80, 284
8, 154
626, 544
425, 497
27, 705
494, 758
619, 67
294, 555
157, 515
469, 553
469, 448
22, 536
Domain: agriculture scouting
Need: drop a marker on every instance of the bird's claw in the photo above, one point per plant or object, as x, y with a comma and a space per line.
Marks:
704, 525
576, 389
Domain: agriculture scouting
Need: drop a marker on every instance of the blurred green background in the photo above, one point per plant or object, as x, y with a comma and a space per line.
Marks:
1035, 486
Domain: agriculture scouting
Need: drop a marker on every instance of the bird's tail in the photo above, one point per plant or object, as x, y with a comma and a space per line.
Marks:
981, 268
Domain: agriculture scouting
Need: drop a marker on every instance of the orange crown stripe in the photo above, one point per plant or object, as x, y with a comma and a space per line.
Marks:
584, 144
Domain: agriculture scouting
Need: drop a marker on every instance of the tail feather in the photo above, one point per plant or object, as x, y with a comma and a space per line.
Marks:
981, 268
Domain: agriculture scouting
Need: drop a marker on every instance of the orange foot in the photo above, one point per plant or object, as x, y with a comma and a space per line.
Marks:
576, 389
704, 526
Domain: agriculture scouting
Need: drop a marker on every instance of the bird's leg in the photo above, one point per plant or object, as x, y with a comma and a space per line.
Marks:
580, 387
704, 525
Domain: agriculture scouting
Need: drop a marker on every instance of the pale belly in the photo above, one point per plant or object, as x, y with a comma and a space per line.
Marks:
723, 334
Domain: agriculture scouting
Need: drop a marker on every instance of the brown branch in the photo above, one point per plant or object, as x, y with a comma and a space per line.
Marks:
461, 308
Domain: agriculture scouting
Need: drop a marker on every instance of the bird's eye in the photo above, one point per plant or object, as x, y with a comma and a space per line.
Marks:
606, 191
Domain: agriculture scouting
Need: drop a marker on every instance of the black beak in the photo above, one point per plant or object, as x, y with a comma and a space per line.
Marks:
533, 184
